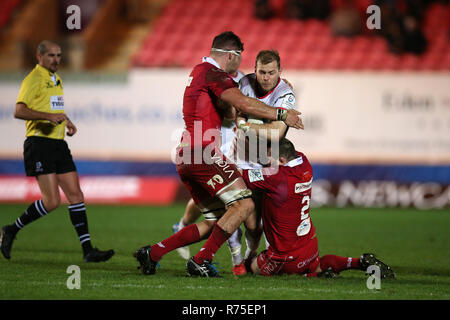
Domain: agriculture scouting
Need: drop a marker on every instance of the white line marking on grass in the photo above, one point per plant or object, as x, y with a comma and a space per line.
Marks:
191, 287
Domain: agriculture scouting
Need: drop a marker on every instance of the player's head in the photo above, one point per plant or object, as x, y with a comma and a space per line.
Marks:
286, 151
49, 55
228, 47
267, 69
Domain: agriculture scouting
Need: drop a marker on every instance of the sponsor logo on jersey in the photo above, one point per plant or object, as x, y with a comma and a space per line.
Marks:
255, 175
57, 102
303, 186
216, 179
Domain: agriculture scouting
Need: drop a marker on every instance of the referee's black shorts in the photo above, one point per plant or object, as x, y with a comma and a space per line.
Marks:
45, 155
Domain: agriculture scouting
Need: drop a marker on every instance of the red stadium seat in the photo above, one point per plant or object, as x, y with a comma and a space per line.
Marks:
184, 31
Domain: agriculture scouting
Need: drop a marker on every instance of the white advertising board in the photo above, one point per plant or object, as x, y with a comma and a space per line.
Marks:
349, 117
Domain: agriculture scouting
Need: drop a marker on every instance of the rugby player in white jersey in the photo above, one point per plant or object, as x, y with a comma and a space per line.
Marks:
267, 86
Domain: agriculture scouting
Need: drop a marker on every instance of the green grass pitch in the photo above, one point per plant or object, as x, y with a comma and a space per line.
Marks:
415, 243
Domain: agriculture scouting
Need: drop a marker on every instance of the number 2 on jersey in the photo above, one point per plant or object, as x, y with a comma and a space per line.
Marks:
305, 223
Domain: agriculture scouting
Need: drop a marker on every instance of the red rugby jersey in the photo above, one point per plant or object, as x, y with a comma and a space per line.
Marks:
286, 201
202, 108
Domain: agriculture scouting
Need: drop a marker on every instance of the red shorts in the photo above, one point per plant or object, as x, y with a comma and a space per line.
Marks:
210, 176
302, 261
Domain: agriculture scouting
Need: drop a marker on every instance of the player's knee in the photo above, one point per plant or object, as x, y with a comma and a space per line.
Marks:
248, 205
210, 223
244, 207
51, 203
205, 228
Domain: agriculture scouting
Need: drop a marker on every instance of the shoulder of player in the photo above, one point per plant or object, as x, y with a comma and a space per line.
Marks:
300, 166
208, 67
247, 81
283, 95
284, 89
274, 173
213, 72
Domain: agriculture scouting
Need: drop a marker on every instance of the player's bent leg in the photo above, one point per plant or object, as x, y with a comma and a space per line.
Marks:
149, 256
239, 204
237, 213
337, 264
70, 184
230, 221
191, 214
219, 179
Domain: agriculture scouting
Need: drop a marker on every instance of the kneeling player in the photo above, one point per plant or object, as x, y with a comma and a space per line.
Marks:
288, 226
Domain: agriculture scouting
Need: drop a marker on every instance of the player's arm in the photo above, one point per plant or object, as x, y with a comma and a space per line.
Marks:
265, 179
23, 112
272, 131
260, 110
229, 117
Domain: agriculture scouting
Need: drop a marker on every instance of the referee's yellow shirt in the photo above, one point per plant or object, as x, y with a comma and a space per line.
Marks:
42, 90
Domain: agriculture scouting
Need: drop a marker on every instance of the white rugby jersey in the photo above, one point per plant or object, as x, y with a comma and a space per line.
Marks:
281, 96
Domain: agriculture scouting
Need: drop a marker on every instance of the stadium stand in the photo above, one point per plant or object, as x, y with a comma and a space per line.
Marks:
6, 9
111, 30
183, 33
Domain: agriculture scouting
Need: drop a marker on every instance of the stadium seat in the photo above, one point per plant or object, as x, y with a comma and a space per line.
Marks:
187, 30
6, 9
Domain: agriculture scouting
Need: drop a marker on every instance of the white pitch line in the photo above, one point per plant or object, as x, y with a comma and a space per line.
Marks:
162, 286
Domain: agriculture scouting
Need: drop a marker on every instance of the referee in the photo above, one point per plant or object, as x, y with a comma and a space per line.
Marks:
46, 155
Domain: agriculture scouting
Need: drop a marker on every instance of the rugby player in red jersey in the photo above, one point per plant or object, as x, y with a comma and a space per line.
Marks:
213, 181
287, 224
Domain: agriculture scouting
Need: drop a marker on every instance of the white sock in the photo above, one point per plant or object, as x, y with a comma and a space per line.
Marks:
181, 225
234, 243
236, 256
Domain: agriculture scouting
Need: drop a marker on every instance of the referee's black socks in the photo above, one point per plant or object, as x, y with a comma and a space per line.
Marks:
79, 220
33, 212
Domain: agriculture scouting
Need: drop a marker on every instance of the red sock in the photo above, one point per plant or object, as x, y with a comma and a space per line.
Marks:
184, 237
216, 239
338, 263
